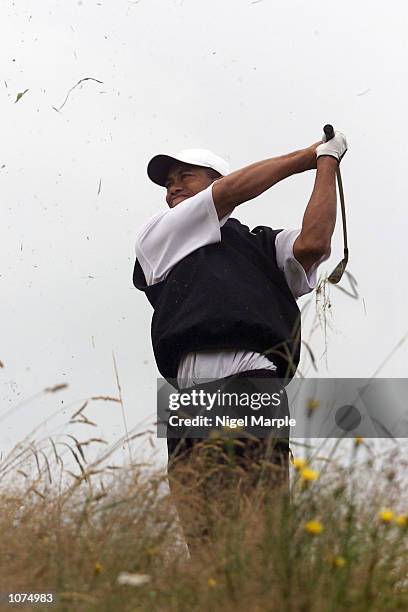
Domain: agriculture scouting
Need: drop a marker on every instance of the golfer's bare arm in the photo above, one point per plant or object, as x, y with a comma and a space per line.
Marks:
320, 215
319, 219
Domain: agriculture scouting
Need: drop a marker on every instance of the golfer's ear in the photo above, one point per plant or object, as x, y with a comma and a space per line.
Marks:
222, 197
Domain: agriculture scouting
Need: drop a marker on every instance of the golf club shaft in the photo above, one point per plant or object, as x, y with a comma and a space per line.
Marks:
329, 133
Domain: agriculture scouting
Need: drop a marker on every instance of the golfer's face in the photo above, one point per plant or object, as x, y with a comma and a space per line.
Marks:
184, 181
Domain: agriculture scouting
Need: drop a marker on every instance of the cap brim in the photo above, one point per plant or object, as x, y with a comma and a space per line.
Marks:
158, 168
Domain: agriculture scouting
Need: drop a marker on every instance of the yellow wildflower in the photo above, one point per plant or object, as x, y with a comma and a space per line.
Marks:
308, 474
212, 583
313, 527
386, 515
299, 463
339, 561
98, 568
402, 520
312, 404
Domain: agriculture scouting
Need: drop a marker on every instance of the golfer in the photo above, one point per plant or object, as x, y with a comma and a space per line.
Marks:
224, 296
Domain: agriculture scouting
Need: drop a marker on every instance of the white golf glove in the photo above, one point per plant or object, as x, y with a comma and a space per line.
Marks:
336, 147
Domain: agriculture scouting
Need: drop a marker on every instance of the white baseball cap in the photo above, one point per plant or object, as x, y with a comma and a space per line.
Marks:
159, 166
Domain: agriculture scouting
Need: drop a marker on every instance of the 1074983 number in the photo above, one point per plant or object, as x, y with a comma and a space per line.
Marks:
30, 597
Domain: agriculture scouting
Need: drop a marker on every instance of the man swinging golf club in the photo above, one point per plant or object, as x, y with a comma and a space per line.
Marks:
224, 297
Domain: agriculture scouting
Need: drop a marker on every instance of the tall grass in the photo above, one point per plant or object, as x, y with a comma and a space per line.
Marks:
335, 540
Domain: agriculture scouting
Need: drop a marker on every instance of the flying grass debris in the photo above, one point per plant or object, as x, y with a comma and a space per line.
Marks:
72, 88
20, 95
56, 388
353, 285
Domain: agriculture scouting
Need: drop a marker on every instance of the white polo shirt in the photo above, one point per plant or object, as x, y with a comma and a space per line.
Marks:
171, 235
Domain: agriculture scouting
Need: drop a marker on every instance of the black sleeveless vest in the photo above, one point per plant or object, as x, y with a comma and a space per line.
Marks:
230, 294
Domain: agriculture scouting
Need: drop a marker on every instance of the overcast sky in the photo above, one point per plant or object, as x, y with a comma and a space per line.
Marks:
249, 80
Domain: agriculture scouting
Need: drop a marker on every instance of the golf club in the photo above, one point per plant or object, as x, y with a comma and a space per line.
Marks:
338, 271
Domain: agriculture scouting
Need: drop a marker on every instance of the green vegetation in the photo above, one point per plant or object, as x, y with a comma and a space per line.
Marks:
109, 539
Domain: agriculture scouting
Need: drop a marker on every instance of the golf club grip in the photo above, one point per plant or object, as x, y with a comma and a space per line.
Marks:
329, 131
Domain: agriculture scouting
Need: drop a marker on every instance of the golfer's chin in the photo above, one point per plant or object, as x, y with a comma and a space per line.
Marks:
177, 200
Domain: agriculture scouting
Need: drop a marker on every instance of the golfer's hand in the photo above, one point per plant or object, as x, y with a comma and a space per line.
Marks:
336, 147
